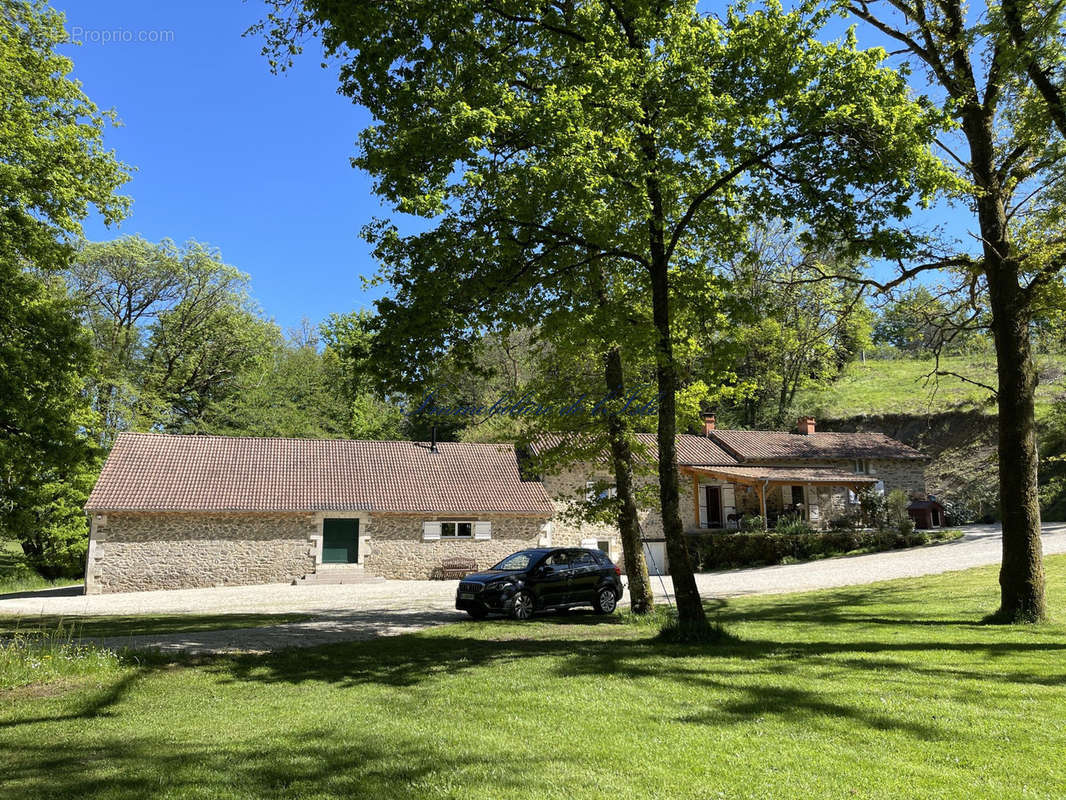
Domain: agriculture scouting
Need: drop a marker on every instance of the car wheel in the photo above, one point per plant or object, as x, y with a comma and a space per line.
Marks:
477, 613
606, 601
522, 607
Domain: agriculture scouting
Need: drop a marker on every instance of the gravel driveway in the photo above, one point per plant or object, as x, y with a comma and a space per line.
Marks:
363, 611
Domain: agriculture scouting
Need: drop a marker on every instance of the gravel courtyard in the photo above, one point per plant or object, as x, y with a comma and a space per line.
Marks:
363, 611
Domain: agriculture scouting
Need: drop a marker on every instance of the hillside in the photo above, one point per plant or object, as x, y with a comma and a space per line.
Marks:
900, 386
952, 421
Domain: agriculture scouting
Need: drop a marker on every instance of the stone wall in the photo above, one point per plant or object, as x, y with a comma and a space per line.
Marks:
905, 474
566, 487
396, 548
144, 551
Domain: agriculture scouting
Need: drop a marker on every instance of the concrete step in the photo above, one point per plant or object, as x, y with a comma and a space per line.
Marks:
338, 575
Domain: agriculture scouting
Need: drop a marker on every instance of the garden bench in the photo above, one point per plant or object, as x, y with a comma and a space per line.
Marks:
451, 568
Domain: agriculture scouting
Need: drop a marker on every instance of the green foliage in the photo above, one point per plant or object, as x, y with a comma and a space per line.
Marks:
917, 323
714, 551
790, 330
752, 523
792, 523
55, 167
173, 329
54, 170
49, 522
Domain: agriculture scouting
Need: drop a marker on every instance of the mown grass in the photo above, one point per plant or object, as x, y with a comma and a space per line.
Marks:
891, 690
139, 625
900, 387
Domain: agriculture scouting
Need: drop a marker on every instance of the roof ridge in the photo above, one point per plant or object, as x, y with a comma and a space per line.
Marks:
203, 436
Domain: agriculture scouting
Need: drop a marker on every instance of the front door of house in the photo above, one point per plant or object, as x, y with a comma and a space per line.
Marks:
713, 499
340, 541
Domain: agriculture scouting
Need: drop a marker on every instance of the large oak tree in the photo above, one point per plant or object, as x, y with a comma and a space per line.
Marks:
574, 135
999, 71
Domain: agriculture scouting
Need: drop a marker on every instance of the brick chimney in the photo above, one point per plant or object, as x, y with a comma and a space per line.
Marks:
805, 425
708, 424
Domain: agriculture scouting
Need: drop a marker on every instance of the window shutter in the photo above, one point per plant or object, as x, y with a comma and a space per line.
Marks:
869, 467
729, 501
430, 531
483, 530
703, 506
786, 496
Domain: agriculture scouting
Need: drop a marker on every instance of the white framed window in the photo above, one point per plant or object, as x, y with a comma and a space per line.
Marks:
596, 490
453, 529
861, 466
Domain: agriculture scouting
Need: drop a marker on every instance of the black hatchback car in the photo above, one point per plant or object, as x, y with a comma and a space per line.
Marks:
540, 579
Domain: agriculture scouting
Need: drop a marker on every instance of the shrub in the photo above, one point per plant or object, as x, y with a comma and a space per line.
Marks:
751, 523
791, 523
711, 551
846, 522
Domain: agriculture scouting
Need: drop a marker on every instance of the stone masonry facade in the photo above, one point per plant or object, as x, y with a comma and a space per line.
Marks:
149, 551
143, 551
397, 550
170, 550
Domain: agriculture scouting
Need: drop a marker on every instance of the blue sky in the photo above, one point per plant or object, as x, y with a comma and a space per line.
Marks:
227, 153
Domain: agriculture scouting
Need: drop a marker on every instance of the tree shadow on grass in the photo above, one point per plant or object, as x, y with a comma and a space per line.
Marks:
95, 705
855, 606
317, 762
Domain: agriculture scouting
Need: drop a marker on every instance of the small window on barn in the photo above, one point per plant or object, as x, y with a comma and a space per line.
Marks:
597, 490
457, 530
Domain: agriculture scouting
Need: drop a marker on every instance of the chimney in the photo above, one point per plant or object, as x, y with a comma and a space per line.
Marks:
805, 425
433, 439
708, 424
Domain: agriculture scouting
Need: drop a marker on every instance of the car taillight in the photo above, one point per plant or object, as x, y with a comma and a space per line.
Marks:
618, 570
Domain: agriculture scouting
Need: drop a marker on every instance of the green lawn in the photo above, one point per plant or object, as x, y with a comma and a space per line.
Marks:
898, 387
131, 625
885, 691
17, 576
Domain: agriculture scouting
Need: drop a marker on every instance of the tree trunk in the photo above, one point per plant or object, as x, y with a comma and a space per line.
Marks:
691, 618
1021, 575
640, 594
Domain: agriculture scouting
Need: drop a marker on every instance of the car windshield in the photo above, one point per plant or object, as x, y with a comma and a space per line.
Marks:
516, 562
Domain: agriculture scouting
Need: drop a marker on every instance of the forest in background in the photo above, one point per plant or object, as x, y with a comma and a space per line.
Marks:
171, 339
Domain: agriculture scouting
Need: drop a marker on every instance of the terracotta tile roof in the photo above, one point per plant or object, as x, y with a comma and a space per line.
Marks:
835, 477
776, 445
690, 449
156, 472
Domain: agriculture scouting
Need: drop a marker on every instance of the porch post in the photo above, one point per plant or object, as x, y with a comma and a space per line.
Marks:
761, 489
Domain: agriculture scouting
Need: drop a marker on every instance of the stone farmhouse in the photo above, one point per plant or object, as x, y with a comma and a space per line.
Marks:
729, 474
185, 511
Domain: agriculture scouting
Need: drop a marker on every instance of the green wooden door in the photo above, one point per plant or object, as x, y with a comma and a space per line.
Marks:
340, 541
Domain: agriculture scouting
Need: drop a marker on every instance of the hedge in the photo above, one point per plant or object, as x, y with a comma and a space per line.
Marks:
712, 551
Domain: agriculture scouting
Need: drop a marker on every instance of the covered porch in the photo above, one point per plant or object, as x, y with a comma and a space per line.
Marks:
722, 496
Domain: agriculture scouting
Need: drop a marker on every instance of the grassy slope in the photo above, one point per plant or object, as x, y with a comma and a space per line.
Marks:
898, 387
883, 691
17, 576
